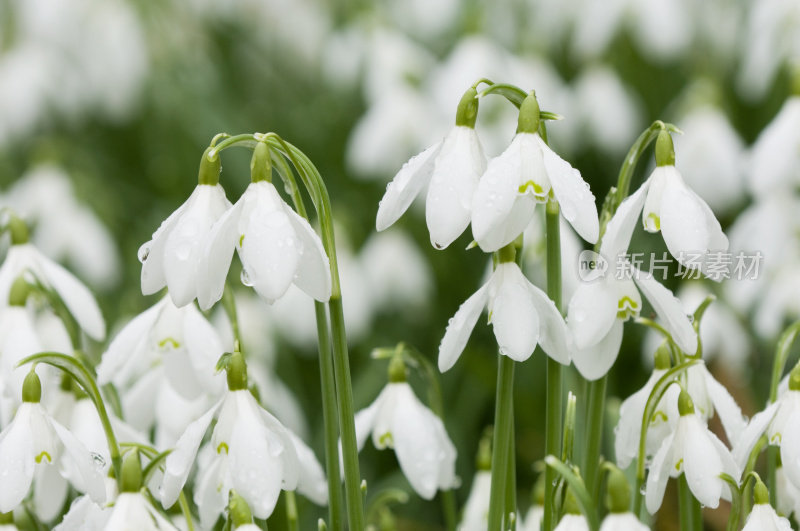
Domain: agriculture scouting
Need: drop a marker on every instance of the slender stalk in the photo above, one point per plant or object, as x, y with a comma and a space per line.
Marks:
187, 513
511, 477
686, 503
448, 498
291, 510
594, 421
554, 398
501, 440
327, 378
772, 474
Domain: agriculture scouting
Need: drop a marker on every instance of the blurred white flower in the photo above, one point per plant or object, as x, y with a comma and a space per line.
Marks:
712, 156
172, 257
277, 248
622, 522
526, 173
764, 518
476, 508
451, 168
533, 519
572, 522
86, 515
775, 155
535, 257
397, 419
63, 227
521, 314
132, 511
696, 452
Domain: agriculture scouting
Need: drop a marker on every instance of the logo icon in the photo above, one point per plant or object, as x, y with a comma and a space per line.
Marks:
591, 266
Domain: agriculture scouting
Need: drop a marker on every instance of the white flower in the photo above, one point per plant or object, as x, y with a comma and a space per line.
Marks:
774, 156
18, 340
631, 413
77, 298
709, 396
764, 518
780, 421
180, 339
476, 508
253, 454
533, 519
696, 452
397, 419
35, 441
622, 522
787, 495
689, 227
573, 522
172, 257
452, 168
599, 307
277, 248
521, 314
85, 515
133, 512
524, 174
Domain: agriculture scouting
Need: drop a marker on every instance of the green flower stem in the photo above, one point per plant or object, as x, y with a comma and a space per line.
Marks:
186, 511
341, 361
229, 304
554, 398
511, 476
691, 516
327, 380
501, 440
291, 510
594, 420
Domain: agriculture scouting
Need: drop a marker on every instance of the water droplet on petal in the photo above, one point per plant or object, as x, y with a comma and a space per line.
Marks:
99, 461
245, 277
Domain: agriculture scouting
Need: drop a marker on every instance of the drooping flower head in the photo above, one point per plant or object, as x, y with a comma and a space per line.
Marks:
451, 169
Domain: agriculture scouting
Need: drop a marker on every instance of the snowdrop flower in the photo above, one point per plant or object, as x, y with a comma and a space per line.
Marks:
694, 451
180, 339
33, 441
709, 396
686, 222
763, 517
398, 420
631, 412
521, 314
18, 338
787, 495
534, 260
172, 257
253, 453
277, 247
572, 520
133, 512
476, 508
452, 168
526, 173
774, 156
622, 522
23, 256
780, 421
85, 515
600, 306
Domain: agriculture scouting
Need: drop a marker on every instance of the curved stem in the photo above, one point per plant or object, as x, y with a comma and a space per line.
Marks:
781, 355
327, 380
247, 140
341, 361
554, 399
594, 420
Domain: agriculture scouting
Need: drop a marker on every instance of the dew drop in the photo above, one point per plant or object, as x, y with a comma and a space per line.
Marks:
245, 277
643, 490
98, 460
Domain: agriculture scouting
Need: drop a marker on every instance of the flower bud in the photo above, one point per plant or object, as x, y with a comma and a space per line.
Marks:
665, 151
18, 230
528, 121
32, 387
794, 378
260, 164
618, 492
131, 472
19, 292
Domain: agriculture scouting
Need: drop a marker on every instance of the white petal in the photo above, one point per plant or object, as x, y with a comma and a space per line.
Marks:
573, 194
659, 474
456, 172
314, 270
91, 474
670, 310
701, 463
138, 403
744, 444
186, 240
790, 449
460, 327
622, 522
554, 336
764, 518
16, 460
78, 299
619, 229
628, 429
651, 214
365, 420
405, 186
729, 413
153, 278
311, 482
499, 213
49, 492
180, 460
422, 446
256, 466
595, 361
217, 254
210, 492
513, 314
592, 312
270, 250
204, 347
126, 344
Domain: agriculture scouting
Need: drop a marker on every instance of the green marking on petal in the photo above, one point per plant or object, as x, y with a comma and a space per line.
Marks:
659, 416
652, 223
241, 241
534, 189
678, 464
776, 439
386, 440
168, 341
222, 446
44, 455
626, 308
